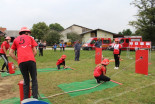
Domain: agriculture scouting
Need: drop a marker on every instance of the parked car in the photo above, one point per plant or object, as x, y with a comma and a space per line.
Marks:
90, 44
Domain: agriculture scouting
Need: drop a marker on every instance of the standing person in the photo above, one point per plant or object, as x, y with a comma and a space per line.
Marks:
61, 61
100, 71
98, 43
117, 52
60, 45
63, 46
41, 46
44, 44
26, 52
3, 53
55, 47
77, 50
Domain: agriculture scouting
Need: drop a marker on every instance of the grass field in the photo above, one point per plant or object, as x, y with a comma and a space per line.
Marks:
136, 88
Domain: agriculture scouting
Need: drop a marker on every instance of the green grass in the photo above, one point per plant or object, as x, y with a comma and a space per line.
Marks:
136, 88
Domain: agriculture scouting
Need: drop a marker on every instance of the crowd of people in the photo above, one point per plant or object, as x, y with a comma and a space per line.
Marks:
26, 52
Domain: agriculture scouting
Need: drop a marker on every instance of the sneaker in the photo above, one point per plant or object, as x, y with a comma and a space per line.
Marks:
97, 81
115, 67
2, 71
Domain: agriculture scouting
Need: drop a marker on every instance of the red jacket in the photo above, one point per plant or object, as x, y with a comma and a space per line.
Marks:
60, 61
99, 71
117, 48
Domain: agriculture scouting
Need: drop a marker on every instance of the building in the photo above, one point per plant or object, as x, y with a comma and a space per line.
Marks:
2, 31
97, 33
12, 33
74, 28
87, 33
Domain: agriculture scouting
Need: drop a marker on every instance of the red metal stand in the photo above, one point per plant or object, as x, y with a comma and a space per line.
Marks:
141, 65
98, 55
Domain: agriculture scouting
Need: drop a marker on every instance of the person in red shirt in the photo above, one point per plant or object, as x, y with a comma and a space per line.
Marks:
3, 53
100, 71
26, 52
61, 61
117, 52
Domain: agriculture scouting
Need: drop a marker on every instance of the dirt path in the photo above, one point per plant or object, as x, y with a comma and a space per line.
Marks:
7, 87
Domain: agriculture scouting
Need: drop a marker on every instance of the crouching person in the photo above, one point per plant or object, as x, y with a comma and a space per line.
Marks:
61, 61
100, 71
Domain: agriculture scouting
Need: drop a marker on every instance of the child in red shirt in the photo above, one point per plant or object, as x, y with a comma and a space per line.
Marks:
26, 52
3, 51
100, 71
117, 52
61, 61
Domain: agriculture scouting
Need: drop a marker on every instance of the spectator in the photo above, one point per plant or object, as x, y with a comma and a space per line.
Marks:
98, 43
77, 49
55, 47
60, 45
41, 46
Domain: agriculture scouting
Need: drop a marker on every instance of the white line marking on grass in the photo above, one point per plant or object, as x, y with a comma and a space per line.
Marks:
119, 94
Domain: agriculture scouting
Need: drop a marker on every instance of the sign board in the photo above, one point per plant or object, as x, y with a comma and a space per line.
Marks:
141, 44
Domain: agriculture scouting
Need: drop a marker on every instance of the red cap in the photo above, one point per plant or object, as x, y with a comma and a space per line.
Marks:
105, 62
24, 29
63, 56
8, 38
116, 39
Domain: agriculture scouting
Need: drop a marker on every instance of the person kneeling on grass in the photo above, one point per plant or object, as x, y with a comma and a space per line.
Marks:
100, 71
61, 61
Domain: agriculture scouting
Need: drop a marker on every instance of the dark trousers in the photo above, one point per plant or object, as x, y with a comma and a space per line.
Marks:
63, 48
5, 62
29, 68
102, 78
116, 60
58, 66
77, 55
41, 51
60, 49
54, 49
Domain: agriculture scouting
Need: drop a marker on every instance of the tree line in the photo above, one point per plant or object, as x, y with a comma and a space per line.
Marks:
52, 33
144, 25
145, 20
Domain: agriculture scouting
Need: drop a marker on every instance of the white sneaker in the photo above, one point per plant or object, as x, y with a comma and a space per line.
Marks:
115, 67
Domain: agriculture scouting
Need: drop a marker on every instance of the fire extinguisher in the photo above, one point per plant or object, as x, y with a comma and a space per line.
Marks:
11, 67
21, 83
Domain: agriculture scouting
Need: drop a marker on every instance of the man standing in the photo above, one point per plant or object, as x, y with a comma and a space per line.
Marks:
41, 46
77, 50
98, 43
26, 51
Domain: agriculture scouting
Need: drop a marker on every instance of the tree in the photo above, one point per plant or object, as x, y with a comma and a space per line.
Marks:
52, 37
39, 30
145, 23
126, 32
73, 36
56, 27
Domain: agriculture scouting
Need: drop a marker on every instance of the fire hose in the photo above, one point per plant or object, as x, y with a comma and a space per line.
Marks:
69, 92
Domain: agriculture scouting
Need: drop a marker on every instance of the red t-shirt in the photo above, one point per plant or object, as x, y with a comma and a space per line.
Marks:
60, 61
7, 46
117, 48
99, 71
24, 45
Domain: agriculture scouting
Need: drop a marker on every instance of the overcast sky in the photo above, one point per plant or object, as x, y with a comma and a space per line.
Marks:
110, 15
